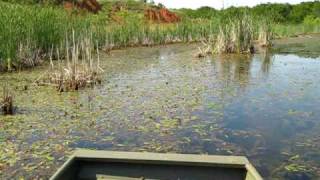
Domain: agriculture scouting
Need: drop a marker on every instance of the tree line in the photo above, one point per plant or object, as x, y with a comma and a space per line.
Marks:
276, 12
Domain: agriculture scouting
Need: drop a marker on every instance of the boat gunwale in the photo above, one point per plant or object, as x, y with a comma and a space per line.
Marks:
161, 159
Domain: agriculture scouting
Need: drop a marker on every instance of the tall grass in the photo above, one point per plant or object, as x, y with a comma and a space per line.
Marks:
290, 30
141, 33
33, 30
265, 35
28, 33
238, 35
235, 37
82, 67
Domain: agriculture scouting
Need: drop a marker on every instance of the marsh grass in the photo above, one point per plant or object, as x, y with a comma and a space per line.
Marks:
7, 101
239, 36
81, 69
265, 34
292, 30
235, 37
206, 48
28, 32
146, 34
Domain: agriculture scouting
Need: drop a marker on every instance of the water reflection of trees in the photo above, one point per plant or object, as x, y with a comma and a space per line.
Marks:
266, 60
234, 69
237, 68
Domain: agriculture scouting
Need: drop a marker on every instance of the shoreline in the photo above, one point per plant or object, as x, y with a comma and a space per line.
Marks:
275, 41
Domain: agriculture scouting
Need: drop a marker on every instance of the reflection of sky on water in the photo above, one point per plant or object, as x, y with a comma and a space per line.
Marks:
258, 102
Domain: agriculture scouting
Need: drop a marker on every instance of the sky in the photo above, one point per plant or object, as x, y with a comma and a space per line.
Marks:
218, 3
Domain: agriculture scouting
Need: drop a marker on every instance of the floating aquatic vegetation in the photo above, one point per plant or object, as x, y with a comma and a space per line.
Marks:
295, 168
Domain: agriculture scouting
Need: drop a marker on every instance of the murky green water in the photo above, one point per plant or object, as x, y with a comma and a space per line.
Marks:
162, 99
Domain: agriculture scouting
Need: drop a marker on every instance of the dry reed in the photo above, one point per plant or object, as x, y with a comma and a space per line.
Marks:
235, 37
265, 35
80, 70
7, 101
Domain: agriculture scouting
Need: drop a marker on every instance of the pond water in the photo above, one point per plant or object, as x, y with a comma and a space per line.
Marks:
162, 99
